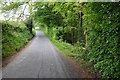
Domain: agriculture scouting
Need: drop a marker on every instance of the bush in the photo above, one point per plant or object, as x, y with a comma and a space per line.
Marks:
14, 37
102, 22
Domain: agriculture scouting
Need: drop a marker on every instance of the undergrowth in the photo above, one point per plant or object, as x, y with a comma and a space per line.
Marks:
14, 36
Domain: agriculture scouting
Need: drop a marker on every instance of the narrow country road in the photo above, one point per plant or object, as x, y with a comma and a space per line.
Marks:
40, 60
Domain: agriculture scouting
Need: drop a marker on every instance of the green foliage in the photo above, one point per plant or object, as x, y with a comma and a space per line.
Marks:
12, 5
14, 37
100, 26
66, 48
62, 16
102, 21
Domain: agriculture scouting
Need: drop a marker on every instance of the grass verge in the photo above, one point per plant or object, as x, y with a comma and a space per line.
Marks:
77, 55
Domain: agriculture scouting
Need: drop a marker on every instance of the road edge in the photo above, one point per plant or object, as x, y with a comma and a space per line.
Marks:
9, 59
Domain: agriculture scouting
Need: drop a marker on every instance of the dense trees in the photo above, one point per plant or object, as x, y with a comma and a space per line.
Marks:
97, 30
65, 17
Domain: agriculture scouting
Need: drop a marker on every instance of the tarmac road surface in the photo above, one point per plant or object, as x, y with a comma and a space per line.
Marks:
40, 60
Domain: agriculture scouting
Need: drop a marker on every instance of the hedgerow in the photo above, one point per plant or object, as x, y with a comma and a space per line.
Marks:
102, 20
14, 36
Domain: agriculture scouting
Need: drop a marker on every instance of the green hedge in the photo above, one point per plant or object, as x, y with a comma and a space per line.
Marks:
102, 21
14, 36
